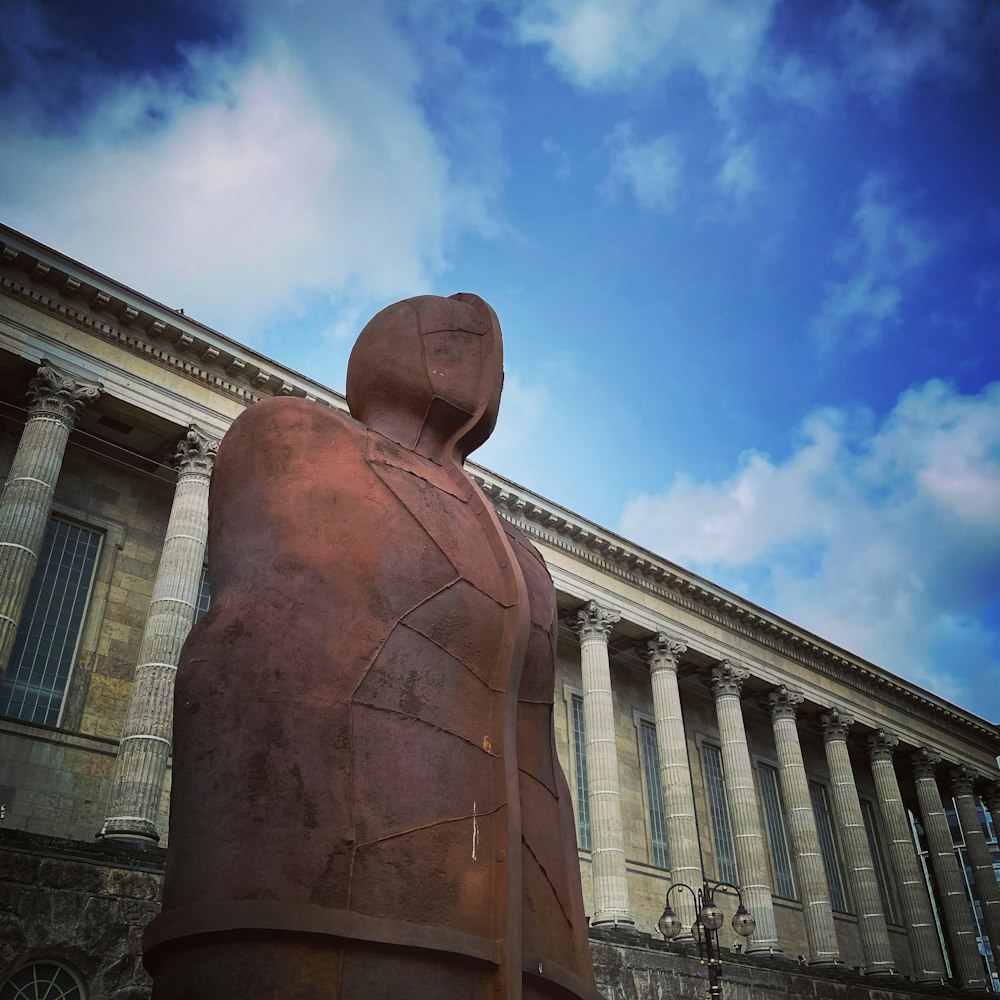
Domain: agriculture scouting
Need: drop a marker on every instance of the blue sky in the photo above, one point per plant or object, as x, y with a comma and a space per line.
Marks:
746, 254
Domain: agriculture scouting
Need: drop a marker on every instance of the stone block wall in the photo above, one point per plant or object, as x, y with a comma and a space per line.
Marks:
85, 906
651, 970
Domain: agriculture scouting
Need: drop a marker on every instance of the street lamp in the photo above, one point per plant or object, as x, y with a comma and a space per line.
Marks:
706, 925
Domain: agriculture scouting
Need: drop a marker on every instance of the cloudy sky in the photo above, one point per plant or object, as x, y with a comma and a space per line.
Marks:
746, 254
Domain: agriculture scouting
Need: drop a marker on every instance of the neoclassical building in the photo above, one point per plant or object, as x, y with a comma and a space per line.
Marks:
702, 735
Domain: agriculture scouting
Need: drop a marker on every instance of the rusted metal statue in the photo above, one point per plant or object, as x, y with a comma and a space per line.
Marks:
366, 797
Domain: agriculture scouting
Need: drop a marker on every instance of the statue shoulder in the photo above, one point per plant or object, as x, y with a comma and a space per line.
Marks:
288, 417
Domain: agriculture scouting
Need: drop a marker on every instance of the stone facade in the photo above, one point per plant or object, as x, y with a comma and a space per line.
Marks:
80, 905
700, 734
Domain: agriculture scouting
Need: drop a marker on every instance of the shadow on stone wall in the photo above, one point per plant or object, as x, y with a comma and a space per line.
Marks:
80, 904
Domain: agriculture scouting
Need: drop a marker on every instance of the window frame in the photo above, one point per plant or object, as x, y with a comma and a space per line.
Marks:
721, 863
825, 823
873, 828
640, 719
87, 615
570, 692
789, 873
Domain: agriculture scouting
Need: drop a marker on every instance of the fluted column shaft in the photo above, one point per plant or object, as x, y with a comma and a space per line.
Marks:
54, 402
977, 853
663, 654
748, 838
594, 624
928, 962
857, 854
966, 962
146, 738
816, 906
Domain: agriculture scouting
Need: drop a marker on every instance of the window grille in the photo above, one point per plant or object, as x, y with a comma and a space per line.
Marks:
722, 830
204, 601
868, 814
654, 793
43, 979
774, 821
824, 826
46, 642
580, 760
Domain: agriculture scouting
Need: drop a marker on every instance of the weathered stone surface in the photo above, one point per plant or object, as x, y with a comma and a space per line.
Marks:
73, 906
651, 971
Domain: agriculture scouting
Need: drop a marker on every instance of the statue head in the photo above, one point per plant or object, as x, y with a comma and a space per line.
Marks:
427, 372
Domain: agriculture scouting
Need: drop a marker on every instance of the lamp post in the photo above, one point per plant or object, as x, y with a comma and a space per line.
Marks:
706, 925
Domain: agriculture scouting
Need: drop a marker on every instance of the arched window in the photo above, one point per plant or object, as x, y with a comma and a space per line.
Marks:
43, 979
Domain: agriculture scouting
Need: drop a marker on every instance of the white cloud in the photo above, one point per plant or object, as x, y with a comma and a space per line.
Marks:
883, 538
650, 170
524, 409
889, 48
597, 44
294, 164
739, 177
883, 250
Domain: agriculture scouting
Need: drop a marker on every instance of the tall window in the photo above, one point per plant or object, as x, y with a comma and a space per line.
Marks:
923, 853
775, 822
972, 894
204, 601
868, 813
580, 759
824, 826
722, 830
47, 639
654, 793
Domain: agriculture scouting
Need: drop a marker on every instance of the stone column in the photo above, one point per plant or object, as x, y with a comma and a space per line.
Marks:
663, 654
928, 962
967, 964
54, 402
593, 624
857, 854
744, 813
816, 906
145, 744
977, 853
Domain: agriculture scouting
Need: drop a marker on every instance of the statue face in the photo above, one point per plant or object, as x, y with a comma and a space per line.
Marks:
429, 368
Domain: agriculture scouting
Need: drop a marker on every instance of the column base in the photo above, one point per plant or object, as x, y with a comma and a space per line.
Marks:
825, 963
769, 950
618, 925
129, 829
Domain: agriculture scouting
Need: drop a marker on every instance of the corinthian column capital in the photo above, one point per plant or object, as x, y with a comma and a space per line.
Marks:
881, 744
835, 724
593, 621
784, 702
56, 394
925, 762
727, 678
963, 780
662, 652
195, 454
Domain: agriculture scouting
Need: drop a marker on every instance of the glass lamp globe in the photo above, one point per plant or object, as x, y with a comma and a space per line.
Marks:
743, 923
698, 932
711, 917
669, 924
